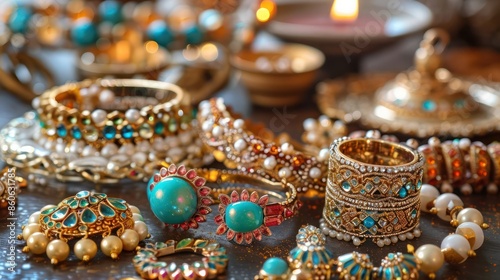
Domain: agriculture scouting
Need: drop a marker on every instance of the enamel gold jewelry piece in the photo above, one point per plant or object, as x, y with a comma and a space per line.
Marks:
243, 216
104, 131
373, 190
232, 142
213, 263
84, 216
423, 102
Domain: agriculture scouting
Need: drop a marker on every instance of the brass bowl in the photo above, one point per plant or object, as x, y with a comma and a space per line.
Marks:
279, 77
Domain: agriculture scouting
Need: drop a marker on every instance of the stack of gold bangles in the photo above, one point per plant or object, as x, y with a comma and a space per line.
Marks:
103, 131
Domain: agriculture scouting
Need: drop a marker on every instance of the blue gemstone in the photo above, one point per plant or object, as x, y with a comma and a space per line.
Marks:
194, 35
111, 11
159, 127
369, 222
397, 272
390, 256
355, 269
117, 203
109, 132
70, 221
127, 132
82, 194
315, 258
388, 273
419, 185
76, 133
88, 216
413, 213
61, 213
244, 216
403, 192
336, 211
61, 130
429, 105
346, 186
159, 32
106, 211
19, 19
275, 266
84, 33
173, 200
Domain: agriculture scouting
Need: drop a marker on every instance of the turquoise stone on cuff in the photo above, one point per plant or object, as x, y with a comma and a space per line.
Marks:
429, 105
84, 33
109, 132
61, 130
76, 133
173, 200
403, 192
275, 267
369, 222
127, 132
244, 216
19, 20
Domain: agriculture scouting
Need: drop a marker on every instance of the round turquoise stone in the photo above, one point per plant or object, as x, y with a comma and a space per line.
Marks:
19, 20
61, 130
76, 133
127, 132
403, 192
111, 11
84, 33
159, 128
109, 132
173, 200
244, 216
429, 105
194, 35
159, 32
275, 267
369, 222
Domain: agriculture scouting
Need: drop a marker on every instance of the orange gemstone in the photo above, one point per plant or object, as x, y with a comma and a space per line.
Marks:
431, 172
273, 150
257, 147
298, 160
452, 152
431, 161
456, 163
482, 163
482, 173
457, 173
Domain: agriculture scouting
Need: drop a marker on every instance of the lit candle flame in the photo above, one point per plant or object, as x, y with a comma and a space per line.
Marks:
344, 10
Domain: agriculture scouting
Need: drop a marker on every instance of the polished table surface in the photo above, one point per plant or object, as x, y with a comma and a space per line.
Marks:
244, 261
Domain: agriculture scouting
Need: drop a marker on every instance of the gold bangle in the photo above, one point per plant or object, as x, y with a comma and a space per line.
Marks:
243, 214
232, 142
373, 190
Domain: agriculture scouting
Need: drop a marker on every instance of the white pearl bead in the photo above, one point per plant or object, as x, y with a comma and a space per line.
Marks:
470, 215
434, 141
312, 137
446, 187
464, 143
57, 251
387, 241
34, 218
270, 163
85, 249
89, 151
492, 188
132, 115
356, 241
37, 242
324, 121
375, 134
217, 131
94, 89
380, 243
207, 125
394, 239
310, 124
134, 209
409, 236
428, 194
143, 146
340, 128
139, 158
473, 233
127, 149
30, 229
98, 116
35, 103
142, 229
239, 123
287, 148
159, 144
333, 234
204, 105
444, 202
130, 239
109, 149
323, 155
240, 145
325, 230
106, 97
172, 142
315, 173
402, 237
137, 217
431, 258
460, 247
466, 189
185, 137
412, 143
340, 235
111, 246
417, 232
284, 172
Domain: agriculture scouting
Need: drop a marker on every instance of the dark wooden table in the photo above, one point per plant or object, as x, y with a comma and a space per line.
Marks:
244, 261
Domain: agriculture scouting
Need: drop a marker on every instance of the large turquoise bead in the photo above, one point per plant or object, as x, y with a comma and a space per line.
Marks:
244, 216
19, 19
111, 11
275, 267
173, 200
159, 32
194, 35
84, 33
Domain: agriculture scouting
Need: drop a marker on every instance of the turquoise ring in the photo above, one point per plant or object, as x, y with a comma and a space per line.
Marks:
179, 197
